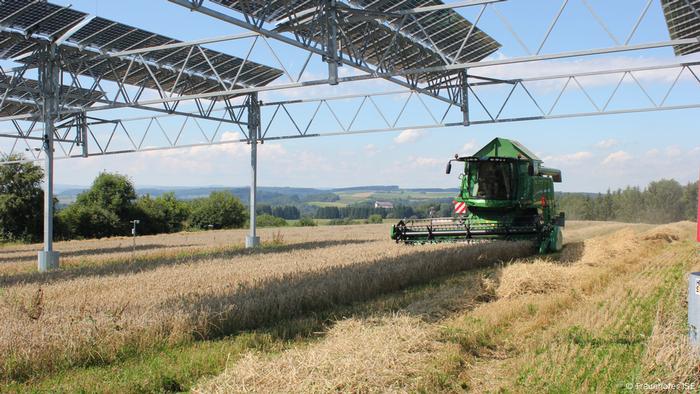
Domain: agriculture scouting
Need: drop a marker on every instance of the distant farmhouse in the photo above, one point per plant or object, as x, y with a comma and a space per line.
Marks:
384, 204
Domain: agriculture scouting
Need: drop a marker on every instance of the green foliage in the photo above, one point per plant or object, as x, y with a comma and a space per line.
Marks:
289, 212
220, 209
89, 221
374, 219
340, 222
663, 201
266, 220
113, 192
21, 200
306, 221
163, 214
103, 210
328, 213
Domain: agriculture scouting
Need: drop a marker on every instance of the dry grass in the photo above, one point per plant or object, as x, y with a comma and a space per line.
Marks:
596, 322
96, 317
386, 354
202, 290
366, 356
538, 277
22, 258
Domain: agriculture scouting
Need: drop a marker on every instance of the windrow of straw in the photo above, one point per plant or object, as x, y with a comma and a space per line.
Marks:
91, 319
356, 355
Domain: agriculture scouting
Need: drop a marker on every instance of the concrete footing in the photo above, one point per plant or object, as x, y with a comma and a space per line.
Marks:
251, 242
48, 261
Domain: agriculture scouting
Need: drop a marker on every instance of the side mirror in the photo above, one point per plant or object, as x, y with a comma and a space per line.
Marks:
449, 167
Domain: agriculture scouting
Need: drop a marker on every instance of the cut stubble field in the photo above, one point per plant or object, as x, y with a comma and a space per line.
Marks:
336, 309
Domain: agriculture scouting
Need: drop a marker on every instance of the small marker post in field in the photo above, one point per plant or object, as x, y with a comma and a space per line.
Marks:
133, 233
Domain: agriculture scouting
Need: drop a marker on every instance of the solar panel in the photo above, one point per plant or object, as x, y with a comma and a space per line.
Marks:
431, 39
88, 42
683, 21
21, 96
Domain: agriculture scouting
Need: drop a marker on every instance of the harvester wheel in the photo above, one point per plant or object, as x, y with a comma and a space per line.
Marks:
556, 243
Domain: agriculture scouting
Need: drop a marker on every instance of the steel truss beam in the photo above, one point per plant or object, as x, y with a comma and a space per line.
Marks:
348, 114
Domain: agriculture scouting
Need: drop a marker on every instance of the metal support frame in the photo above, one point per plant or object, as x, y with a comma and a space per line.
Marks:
49, 80
331, 19
63, 110
252, 240
464, 82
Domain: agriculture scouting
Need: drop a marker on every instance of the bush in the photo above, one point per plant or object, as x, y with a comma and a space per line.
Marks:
88, 221
163, 214
340, 222
374, 219
266, 220
220, 209
306, 222
21, 200
103, 210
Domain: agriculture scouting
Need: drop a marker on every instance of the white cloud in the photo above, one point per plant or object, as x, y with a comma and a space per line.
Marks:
673, 151
652, 153
607, 144
578, 156
371, 149
564, 67
617, 157
568, 158
408, 136
427, 161
469, 147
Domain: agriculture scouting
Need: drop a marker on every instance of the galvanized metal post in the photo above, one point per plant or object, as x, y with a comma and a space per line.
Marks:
332, 41
252, 240
49, 80
464, 97
694, 308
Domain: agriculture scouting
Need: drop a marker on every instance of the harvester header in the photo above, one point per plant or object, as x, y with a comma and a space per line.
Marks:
505, 193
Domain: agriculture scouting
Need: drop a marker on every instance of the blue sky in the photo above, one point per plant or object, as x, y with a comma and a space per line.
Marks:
594, 153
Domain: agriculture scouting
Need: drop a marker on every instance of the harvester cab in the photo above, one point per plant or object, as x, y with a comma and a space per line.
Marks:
505, 194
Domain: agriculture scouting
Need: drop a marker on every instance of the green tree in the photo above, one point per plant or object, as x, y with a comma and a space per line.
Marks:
221, 209
163, 214
663, 201
307, 221
89, 221
266, 220
21, 199
103, 210
374, 219
690, 201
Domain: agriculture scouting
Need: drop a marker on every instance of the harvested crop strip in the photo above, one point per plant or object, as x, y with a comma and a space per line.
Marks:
95, 319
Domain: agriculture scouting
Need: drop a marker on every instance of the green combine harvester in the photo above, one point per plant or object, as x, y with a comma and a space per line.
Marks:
505, 194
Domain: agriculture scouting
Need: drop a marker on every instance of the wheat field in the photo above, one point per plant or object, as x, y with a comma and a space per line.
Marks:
105, 305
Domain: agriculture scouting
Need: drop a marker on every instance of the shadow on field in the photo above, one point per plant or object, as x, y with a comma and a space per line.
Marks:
147, 263
572, 252
269, 301
87, 252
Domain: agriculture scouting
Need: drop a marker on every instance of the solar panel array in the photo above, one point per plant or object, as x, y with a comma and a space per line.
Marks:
422, 42
683, 20
88, 46
21, 96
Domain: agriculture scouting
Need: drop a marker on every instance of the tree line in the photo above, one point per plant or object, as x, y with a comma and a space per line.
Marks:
662, 201
111, 203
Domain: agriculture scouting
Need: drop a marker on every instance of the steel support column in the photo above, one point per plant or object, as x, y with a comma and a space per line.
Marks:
332, 41
50, 81
252, 240
464, 96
